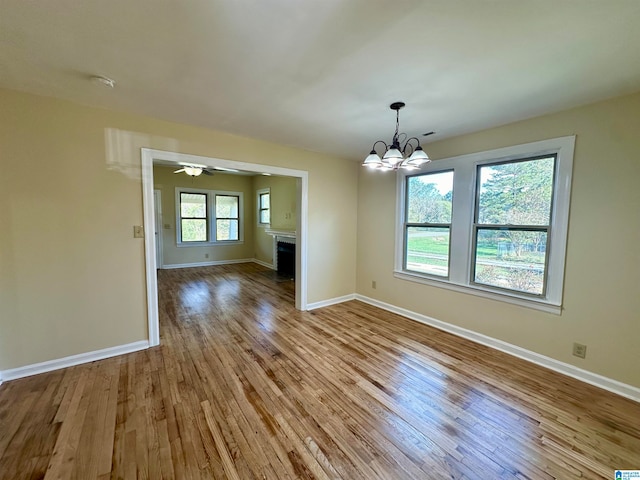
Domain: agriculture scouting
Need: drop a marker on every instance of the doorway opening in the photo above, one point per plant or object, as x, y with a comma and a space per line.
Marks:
150, 156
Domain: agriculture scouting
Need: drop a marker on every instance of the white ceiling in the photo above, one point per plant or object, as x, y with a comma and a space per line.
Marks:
320, 74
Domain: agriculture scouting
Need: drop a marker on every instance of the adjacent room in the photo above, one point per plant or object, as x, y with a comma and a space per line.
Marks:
325, 240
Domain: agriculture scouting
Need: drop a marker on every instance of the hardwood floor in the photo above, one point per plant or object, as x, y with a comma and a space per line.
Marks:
244, 386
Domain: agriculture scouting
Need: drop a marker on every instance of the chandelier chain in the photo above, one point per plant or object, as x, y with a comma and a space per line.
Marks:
395, 137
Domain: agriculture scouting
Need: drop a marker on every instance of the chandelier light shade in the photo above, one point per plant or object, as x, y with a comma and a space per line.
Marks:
400, 153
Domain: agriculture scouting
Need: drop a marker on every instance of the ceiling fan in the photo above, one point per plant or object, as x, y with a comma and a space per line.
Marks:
194, 171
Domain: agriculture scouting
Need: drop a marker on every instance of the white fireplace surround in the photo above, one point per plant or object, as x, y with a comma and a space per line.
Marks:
284, 236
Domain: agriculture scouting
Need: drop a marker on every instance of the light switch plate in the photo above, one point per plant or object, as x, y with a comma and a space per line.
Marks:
138, 231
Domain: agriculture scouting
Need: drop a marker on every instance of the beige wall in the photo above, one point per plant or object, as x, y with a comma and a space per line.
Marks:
166, 181
602, 280
283, 211
72, 276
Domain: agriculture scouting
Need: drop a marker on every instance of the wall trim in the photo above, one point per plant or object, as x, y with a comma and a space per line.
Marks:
72, 360
150, 272
506, 297
218, 262
331, 301
609, 384
207, 264
264, 264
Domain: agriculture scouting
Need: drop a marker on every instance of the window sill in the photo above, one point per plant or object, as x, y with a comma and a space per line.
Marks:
210, 244
479, 292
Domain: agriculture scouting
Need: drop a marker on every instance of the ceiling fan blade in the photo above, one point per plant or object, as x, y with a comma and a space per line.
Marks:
207, 172
178, 171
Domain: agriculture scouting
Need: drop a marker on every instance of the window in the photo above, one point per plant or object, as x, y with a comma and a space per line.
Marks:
492, 224
207, 217
264, 207
512, 224
428, 226
227, 217
193, 217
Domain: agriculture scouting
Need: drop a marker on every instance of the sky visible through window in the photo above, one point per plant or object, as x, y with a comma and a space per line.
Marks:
442, 181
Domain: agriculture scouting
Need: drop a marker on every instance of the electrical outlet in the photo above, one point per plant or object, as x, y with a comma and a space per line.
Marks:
579, 350
373, 284
206, 255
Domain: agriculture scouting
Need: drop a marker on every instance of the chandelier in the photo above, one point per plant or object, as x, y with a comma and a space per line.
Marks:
401, 153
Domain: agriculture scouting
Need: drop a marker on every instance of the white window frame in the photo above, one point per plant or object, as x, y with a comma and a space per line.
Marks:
206, 218
211, 217
262, 191
465, 169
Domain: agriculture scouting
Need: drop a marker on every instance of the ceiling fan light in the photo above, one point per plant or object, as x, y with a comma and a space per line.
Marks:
193, 171
372, 160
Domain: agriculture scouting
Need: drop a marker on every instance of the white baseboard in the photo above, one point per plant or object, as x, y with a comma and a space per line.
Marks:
218, 262
264, 264
73, 360
591, 378
623, 389
331, 301
207, 264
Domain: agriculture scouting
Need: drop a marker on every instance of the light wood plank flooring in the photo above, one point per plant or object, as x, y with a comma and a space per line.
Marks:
245, 387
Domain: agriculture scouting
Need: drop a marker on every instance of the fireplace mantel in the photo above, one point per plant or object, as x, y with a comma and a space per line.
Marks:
287, 236
280, 233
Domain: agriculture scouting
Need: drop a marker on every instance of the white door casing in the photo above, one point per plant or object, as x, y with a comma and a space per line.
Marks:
157, 204
148, 156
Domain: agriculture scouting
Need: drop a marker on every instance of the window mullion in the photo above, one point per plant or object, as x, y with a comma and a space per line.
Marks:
213, 223
461, 224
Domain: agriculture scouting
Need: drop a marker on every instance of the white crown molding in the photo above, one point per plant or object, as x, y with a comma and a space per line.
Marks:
73, 360
614, 386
